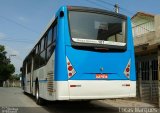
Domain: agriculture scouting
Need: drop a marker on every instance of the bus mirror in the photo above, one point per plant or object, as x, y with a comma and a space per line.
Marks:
21, 69
61, 14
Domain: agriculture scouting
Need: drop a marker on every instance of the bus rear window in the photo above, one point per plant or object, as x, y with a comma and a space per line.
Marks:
96, 28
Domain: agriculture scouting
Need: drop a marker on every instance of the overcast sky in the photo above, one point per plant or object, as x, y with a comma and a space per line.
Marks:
22, 21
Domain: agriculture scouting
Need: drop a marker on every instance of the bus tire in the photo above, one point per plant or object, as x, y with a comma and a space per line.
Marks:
39, 100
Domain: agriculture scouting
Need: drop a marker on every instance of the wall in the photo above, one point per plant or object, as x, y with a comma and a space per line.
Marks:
157, 27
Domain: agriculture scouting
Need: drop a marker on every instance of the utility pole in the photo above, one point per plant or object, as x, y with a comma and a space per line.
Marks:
116, 8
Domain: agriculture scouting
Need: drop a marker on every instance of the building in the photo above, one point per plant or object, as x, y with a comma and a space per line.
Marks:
146, 32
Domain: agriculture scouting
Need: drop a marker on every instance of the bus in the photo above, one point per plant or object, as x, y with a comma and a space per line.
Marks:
84, 54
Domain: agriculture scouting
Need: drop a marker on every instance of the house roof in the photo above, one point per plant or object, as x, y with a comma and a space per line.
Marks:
142, 14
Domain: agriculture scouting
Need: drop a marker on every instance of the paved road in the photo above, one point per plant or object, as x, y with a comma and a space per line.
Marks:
13, 99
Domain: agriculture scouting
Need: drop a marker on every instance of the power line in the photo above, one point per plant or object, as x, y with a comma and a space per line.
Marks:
19, 41
105, 2
16, 40
137, 16
23, 26
93, 2
130, 12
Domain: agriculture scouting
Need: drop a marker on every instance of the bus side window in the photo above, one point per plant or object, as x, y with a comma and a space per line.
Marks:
29, 65
37, 50
42, 44
54, 33
51, 47
24, 69
36, 58
42, 55
49, 37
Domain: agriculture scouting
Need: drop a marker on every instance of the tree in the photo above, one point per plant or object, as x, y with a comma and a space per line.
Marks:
6, 68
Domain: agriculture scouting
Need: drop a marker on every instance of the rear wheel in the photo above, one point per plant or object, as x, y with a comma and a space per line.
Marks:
39, 100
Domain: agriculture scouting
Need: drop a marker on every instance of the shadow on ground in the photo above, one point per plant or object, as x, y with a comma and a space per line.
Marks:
79, 107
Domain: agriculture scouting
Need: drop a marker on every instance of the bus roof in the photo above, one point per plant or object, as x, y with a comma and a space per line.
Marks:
95, 10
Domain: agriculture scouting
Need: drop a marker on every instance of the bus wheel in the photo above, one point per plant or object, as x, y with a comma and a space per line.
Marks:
39, 100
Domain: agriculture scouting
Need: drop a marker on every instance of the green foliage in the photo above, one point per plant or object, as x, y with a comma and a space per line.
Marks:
6, 69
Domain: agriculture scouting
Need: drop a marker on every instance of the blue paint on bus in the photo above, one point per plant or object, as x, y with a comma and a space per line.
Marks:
88, 48
87, 63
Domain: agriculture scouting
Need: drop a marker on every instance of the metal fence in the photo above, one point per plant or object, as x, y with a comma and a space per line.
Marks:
147, 78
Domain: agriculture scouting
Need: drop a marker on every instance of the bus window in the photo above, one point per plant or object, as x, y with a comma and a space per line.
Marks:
50, 37
43, 58
51, 47
55, 33
94, 28
24, 69
36, 62
28, 65
37, 50
42, 44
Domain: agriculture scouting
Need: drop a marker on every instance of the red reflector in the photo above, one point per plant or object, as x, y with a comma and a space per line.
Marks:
70, 68
72, 85
127, 84
70, 74
68, 63
127, 69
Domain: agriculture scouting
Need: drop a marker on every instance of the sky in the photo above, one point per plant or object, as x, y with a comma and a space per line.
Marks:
23, 21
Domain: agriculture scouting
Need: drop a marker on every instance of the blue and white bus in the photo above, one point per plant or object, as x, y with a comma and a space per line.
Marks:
84, 54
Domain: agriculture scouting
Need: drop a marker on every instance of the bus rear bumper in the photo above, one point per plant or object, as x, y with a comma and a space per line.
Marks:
94, 89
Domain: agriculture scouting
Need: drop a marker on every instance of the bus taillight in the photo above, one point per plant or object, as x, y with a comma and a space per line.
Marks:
70, 68
71, 71
127, 69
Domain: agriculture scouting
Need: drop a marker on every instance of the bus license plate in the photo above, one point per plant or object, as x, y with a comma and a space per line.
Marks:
101, 76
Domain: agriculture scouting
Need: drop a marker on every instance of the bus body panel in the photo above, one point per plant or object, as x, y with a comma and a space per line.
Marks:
87, 89
95, 89
87, 64
84, 84
46, 80
60, 57
130, 47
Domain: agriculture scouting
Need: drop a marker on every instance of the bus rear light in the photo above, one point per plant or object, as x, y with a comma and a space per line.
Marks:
127, 69
71, 71
75, 85
70, 74
72, 85
68, 63
70, 68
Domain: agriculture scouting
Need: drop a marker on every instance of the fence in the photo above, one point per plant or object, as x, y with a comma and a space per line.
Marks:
8, 83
